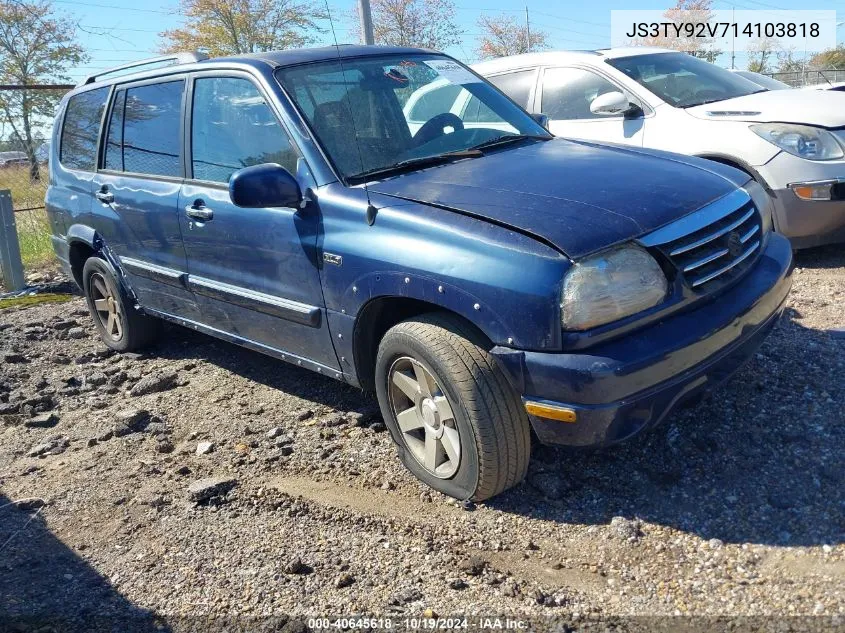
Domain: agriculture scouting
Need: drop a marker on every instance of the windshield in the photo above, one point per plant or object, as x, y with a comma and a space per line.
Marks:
682, 80
400, 110
769, 83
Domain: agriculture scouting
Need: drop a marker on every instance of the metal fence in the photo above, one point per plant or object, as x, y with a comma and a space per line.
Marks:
801, 78
26, 119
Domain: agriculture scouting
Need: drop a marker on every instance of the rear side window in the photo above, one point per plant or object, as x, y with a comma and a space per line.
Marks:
478, 112
433, 102
144, 130
81, 128
233, 127
517, 85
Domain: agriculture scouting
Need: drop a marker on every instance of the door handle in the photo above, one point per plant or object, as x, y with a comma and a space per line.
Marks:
199, 211
105, 196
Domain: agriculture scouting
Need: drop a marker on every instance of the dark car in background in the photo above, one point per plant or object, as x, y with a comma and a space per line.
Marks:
482, 280
13, 159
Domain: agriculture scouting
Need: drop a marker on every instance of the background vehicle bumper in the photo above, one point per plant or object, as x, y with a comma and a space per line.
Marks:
806, 223
809, 223
620, 387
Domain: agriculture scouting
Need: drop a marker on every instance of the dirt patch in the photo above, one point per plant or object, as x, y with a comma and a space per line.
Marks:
230, 484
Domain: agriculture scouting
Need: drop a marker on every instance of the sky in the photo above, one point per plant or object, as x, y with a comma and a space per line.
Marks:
115, 32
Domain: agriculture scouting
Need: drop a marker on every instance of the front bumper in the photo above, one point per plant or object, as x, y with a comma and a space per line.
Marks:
806, 223
620, 387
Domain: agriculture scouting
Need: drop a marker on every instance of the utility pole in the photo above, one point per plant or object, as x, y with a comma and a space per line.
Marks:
733, 39
804, 64
366, 21
527, 32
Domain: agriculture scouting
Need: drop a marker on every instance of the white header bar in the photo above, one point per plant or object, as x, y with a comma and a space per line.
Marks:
725, 30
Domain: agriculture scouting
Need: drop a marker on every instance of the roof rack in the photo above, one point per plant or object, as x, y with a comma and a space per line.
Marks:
175, 58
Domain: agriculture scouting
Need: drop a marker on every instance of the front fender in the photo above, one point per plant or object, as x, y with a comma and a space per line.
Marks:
448, 296
504, 282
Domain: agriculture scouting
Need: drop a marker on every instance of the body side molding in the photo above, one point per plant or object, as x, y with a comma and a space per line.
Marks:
155, 272
301, 313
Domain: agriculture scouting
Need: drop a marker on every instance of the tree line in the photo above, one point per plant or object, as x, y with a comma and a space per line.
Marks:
764, 56
39, 45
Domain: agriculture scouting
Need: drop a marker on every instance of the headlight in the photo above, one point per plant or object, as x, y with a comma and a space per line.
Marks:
610, 286
804, 141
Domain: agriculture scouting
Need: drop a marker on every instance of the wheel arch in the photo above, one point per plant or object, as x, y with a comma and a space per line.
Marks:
381, 313
737, 163
83, 242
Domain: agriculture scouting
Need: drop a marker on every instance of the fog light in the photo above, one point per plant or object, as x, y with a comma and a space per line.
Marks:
821, 190
551, 411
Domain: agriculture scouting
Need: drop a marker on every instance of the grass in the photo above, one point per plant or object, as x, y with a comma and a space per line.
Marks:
25, 193
33, 227
34, 239
32, 300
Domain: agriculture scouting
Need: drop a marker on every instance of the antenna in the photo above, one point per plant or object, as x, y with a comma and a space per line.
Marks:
371, 210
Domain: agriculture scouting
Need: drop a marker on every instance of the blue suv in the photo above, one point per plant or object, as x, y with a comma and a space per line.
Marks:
330, 208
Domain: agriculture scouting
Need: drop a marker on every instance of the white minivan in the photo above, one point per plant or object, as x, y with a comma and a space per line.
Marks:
791, 141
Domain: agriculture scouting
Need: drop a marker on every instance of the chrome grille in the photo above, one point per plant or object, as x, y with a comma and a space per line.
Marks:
713, 253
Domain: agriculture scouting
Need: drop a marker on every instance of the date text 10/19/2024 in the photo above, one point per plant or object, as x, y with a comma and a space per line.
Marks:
420, 624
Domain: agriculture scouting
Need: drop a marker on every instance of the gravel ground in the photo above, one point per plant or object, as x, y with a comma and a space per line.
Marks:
200, 481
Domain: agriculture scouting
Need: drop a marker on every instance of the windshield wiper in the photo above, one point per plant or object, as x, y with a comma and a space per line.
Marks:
416, 163
509, 138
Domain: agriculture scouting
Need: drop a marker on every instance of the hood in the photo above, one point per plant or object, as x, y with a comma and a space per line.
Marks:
578, 196
811, 107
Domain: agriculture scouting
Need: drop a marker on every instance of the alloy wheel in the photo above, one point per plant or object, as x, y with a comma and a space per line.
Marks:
425, 418
106, 307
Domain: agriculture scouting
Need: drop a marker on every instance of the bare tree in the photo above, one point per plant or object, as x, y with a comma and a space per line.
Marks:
36, 47
504, 35
232, 27
761, 54
788, 63
424, 23
687, 11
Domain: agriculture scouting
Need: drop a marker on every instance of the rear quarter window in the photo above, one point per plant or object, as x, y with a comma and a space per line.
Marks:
433, 102
517, 85
152, 118
81, 129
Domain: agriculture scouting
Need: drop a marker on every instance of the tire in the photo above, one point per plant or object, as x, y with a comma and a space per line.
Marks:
106, 301
494, 441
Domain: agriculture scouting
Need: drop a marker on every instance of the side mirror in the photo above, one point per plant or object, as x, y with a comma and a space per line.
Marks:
542, 119
265, 185
611, 103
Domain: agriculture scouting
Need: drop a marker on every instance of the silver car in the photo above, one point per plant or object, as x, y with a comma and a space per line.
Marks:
791, 141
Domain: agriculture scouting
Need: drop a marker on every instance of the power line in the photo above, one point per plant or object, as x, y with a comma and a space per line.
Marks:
534, 12
112, 6
118, 50
763, 4
560, 17
116, 28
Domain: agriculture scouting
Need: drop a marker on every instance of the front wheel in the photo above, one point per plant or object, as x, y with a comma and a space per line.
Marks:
457, 423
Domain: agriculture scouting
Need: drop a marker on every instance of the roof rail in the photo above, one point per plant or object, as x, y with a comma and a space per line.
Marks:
175, 58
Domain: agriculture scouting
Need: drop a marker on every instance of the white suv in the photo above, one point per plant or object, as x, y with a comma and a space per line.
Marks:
791, 141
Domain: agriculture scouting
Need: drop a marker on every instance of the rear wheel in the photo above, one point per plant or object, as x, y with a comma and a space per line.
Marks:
457, 423
120, 325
